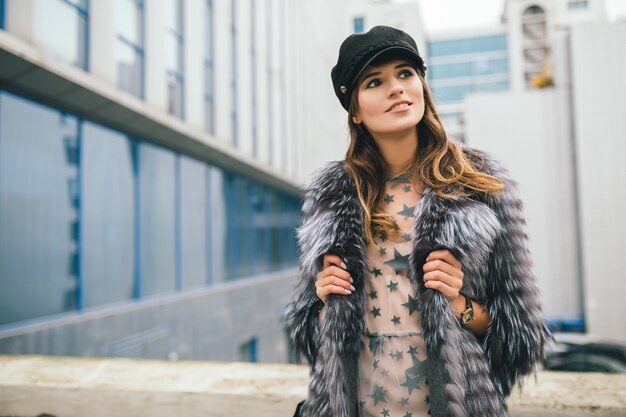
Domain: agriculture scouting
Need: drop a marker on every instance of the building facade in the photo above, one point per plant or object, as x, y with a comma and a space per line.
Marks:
461, 63
148, 192
565, 147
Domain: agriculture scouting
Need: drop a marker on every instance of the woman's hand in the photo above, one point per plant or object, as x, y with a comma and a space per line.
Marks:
333, 278
442, 272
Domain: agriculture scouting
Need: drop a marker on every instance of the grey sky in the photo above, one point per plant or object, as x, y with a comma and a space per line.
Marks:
444, 15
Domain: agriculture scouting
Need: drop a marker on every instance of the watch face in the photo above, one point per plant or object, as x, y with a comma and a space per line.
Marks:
468, 316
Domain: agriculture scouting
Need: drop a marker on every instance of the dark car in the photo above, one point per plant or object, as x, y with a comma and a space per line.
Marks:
578, 353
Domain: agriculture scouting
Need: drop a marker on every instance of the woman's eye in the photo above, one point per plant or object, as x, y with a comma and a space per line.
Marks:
407, 72
375, 80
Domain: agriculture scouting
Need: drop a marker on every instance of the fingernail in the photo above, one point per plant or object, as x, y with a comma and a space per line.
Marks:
348, 292
352, 287
343, 265
351, 280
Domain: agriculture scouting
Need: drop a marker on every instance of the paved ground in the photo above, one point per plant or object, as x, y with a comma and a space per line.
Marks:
98, 387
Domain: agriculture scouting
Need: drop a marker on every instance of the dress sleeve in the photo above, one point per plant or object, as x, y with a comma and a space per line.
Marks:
516, 338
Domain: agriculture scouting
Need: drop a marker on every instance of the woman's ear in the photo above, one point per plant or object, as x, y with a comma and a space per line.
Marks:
356, 120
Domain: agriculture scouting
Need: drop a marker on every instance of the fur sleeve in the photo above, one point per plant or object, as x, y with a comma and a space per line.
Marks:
315, 237
516, 339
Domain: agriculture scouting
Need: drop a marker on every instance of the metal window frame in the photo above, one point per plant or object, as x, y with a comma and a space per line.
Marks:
253, 66
233, 80
83, 13
209, 66
139, 49
178, 73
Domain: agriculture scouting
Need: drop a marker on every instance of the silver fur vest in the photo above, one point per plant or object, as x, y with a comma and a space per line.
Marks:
469, 376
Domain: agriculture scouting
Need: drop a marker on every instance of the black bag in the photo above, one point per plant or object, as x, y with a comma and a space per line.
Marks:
298, 409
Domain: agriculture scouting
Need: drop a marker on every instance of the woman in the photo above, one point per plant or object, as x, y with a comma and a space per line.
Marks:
415, 294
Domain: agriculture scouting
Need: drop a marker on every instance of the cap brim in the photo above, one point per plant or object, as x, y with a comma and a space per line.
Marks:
407, 53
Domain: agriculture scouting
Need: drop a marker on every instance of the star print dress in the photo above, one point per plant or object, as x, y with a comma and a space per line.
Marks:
392, 358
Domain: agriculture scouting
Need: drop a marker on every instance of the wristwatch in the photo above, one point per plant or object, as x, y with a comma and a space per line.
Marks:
468, 314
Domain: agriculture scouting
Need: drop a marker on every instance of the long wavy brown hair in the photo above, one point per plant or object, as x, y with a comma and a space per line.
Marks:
439, 163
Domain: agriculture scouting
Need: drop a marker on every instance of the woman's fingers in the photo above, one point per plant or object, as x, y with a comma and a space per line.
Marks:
433, 278
439, 265
333, 279
446, 256
330, 259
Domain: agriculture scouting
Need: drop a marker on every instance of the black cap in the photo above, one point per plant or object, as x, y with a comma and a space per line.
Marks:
359, 49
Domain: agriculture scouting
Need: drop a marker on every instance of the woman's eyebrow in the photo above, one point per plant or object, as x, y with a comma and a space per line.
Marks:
373, 74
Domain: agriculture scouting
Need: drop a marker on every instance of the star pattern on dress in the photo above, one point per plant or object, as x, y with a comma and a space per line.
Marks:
411, 383
384, 372
417, 367
388, 198
395, 319
404, 401
406, 188
393, 286
376, 363
427, 399
411, 304
361, 404
375, 311
399, 262
402, 178
412, 350
385, 412
375, 343
378, 395
406, 211
383, 235
376, 271
382, 251
397, 355
406, 237
373, 294
408, 414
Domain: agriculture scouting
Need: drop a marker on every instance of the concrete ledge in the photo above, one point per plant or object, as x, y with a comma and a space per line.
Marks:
99, 387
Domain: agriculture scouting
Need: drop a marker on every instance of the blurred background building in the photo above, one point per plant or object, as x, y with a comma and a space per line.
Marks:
153, 154
147, 187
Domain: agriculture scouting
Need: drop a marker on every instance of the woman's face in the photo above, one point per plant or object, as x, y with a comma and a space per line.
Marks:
390, 98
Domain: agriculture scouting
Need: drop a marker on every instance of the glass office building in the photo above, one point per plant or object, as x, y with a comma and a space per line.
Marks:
131, 222
461, 65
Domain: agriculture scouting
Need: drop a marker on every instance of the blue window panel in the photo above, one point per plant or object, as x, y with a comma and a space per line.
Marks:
248, 351
263, 249
193, 221
467, 46
130, 46
469, 68
241, 212
71, 43
39, 210
157, 219
358, 25
275, 223
2, 14
461, 69
578, 4
107, 199
451, 94
498, 86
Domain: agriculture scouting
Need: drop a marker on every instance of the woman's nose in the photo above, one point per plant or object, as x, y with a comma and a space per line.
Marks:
396, 88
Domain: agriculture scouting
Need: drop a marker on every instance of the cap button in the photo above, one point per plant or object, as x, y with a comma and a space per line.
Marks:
343, 89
